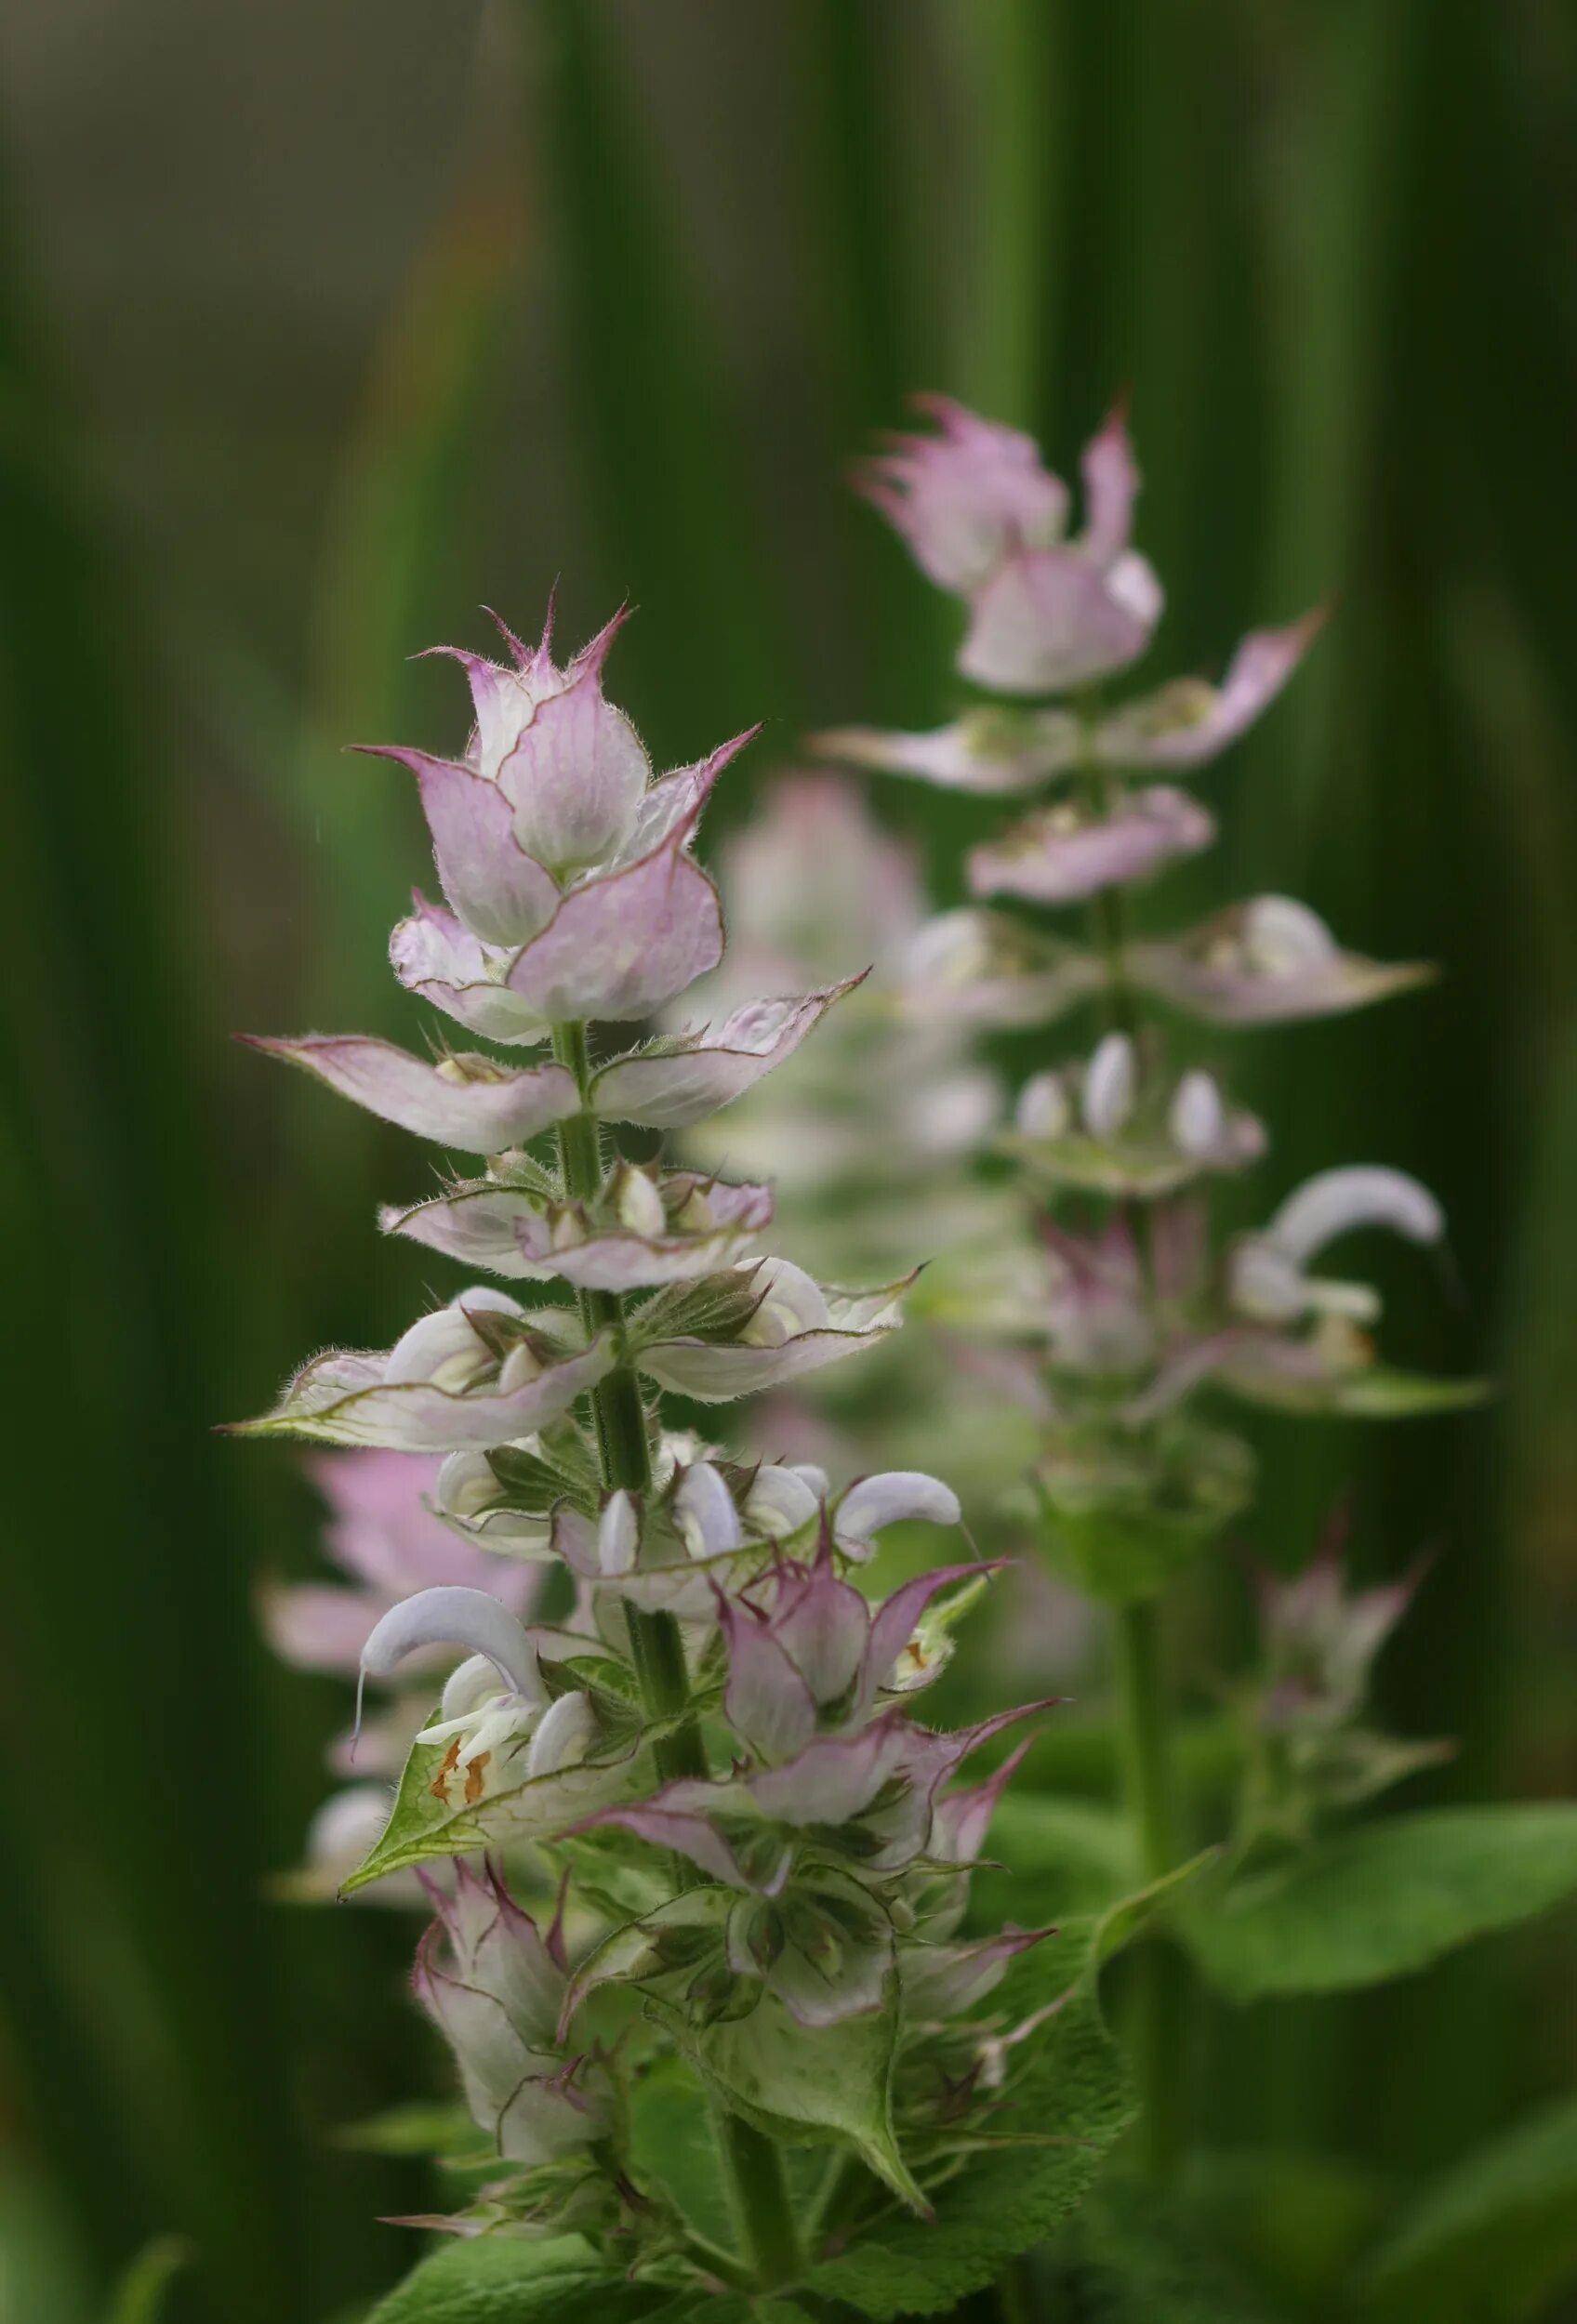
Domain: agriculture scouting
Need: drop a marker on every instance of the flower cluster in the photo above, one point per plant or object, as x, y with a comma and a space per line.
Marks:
388, 1533
1311, 1750
1128, 1312
668, 1710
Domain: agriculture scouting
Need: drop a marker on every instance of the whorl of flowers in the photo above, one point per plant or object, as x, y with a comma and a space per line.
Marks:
707, 1766
1132, 1307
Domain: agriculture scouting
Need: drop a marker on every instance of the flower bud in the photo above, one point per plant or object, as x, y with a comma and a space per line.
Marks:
780, 1501
520, 1366
563, 1736
446, 1348
489, 1983
638, 1204
1197, 1119
1110, 1087
790, 1301
617, 1536
1043, 1110
703, 1512
466, 1485
1281, 937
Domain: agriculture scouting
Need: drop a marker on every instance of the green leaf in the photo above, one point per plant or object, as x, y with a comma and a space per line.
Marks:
1069, 2100
139, 2299
797, 2081
1373, 1393
1292, 2223
1140, 2260
1058, 1856
1121, 1922
1491, 2239
426, 2126
428, 1821
506, 2280
673, 2143
1385, 1899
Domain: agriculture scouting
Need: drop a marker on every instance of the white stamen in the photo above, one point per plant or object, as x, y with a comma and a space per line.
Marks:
468, 1687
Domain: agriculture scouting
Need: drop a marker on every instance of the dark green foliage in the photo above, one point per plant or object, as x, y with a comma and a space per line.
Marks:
1384, 1899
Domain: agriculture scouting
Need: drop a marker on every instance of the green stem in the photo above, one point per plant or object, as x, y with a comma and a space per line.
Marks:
623, 1449
1146, 1776
752, 2164
1159, 1997
764, 2212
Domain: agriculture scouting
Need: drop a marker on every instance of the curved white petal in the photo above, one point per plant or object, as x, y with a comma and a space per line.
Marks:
1336, 1201
888, 1498
451, 1615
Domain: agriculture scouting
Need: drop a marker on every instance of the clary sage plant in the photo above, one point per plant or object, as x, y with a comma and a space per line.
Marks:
1135, 1322
698, 1870
746, 2018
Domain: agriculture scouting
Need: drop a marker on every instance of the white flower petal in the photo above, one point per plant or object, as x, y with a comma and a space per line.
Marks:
1335, 1201
889, 1497
703, 1512
563, 1736
452, 1615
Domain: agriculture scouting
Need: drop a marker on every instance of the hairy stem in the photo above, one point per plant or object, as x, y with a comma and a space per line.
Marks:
623, 1447
1147, 1775
752, 2164
763, 2210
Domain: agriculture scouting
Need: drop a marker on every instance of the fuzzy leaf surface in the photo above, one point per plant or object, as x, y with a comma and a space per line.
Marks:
797, 2081
1384, 1899
1491, 2241
1070, 2098
501, 2280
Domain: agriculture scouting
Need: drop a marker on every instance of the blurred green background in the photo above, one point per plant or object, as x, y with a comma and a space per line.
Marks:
323, 320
